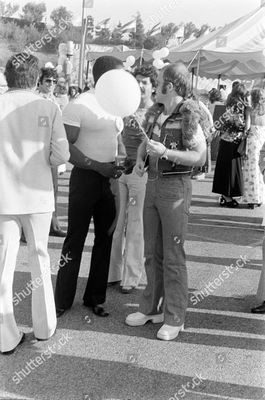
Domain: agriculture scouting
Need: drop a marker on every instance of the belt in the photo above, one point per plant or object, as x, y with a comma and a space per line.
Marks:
172, 173
161, 174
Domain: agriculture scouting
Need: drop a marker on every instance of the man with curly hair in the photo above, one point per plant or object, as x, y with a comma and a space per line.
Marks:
176, 143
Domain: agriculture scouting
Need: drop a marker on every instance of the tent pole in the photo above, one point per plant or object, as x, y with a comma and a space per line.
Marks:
82, 47
141, 56
198, 68
192, 78
218, 84
193, 59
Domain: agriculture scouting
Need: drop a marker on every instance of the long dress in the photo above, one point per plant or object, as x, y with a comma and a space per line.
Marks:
228, 175
253, 179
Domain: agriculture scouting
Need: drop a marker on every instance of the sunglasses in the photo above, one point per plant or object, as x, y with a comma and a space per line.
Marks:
50, 80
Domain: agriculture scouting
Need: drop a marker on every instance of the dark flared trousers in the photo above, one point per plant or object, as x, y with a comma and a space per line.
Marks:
89, 196
228, 174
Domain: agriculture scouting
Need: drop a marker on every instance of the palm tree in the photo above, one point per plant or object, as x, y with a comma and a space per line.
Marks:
168, 31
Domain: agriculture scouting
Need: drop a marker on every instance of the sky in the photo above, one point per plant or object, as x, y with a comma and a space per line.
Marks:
215, 12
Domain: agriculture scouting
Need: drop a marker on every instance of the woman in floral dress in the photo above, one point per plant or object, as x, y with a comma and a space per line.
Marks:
253, 180
228, 176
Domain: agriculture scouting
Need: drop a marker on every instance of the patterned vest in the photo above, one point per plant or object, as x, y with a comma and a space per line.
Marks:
171, 136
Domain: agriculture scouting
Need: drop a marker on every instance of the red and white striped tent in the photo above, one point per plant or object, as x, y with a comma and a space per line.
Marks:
236, 51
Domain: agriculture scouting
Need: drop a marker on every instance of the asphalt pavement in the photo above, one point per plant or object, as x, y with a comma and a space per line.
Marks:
220, 355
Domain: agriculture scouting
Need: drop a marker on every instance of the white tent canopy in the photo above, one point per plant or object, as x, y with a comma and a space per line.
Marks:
236, 51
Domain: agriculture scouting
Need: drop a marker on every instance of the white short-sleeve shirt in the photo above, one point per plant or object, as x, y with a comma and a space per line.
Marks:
98, 130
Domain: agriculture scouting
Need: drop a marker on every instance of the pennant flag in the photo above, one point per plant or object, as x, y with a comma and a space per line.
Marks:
128, 27
104, 22
102, 25
88, 3
156, 29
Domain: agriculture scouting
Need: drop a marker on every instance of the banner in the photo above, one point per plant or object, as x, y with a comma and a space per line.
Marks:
88, 3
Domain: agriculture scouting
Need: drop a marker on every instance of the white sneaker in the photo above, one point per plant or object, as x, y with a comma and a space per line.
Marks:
138, 319
168, 332
199, 177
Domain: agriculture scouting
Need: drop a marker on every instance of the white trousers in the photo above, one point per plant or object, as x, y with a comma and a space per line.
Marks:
127, 252
36, 229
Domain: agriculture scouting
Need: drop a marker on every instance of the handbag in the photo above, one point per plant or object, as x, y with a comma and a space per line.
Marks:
242, 147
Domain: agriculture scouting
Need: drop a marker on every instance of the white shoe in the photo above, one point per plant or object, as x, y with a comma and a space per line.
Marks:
168, 332
199, 177
138, 319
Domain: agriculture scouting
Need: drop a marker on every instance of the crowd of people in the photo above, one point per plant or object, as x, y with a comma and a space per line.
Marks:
131, 175
242, 136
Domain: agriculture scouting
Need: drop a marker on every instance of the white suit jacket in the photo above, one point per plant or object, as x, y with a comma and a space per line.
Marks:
32, 139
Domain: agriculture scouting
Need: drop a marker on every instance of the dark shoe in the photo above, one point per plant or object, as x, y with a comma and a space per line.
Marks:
253, 205
99, 311
8, 353
114, 283
127, 290
222, 201
57, 232
259, 309
230, 204
60, 312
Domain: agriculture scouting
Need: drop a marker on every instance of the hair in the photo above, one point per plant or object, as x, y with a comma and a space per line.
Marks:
77, 89
215, 95
235, 83
258, 100
47, 73
149, 72
178, 75
104, 64
21, 71
238, 94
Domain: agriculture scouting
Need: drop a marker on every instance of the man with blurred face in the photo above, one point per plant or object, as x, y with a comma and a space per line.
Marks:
47, 81
127, 254
32, 140
146, 88
93, 138
176, 143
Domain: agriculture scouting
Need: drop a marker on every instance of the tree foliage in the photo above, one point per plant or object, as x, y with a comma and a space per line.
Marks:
61, 13
138, 37
168, 31
203, 29
8, 9
103, 36
189, 29
33, 12
152, 42
116, 34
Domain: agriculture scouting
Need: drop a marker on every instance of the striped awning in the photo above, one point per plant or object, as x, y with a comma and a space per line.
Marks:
234, 51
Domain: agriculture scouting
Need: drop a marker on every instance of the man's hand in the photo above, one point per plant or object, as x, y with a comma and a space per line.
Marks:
128, 165
139, 168
109, 170
154, 148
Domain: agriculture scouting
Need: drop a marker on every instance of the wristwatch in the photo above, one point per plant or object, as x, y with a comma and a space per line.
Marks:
164, 155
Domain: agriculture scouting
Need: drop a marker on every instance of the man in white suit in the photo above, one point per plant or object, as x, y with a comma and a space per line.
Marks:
32, 139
